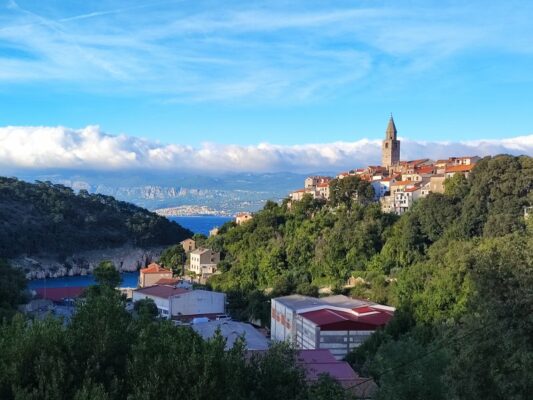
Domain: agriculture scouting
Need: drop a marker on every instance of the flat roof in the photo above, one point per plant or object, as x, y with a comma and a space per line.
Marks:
161, 291
299, 302
231, 331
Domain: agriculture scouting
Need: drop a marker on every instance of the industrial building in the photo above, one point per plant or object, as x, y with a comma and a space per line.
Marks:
336, 323
183, 304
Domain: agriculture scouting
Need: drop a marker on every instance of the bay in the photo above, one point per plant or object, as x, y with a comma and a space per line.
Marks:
129, 279
198, 224
201, 223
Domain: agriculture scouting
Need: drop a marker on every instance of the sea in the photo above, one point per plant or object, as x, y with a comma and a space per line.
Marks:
196, 223
201, 223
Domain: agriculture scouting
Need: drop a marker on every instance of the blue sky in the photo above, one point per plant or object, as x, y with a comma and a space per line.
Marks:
283, 72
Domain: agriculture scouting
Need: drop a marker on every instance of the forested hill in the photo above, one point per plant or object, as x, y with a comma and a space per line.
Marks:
458, 266
41, 217
318, 243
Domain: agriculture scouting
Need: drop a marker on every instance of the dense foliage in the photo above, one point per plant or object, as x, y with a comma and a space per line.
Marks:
47, 218
105, 352
12, 284
458, 267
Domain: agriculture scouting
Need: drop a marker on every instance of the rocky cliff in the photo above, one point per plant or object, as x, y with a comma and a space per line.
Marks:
126, 259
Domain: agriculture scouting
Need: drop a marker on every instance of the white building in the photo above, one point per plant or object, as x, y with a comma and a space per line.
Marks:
204, 261
404, 199
182, 303
336, 323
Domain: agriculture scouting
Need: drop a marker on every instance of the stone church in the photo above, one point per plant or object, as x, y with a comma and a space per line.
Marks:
390, 148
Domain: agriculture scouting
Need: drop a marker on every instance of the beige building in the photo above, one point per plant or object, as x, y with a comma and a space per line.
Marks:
322, 191
204, 261
243, 217
464, 169
298, 195
188, 245
436, 184
150, 275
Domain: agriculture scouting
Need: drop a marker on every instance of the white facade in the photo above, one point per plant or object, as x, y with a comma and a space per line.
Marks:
198, 302
380, 188
204, 261
186, 302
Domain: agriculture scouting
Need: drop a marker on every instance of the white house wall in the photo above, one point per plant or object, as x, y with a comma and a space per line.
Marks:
198, 302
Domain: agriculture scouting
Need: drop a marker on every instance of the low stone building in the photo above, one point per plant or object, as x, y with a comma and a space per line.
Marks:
188, 245
242, 217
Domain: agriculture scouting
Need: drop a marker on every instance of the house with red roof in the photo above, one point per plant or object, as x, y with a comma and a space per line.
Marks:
464, 169
320, 361
335, 323
152, 274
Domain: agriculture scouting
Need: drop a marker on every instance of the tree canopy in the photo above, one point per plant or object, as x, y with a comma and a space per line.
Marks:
45, 218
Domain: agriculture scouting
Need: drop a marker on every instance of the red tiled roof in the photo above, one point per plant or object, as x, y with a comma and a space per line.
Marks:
459, 168
321, 361
425, 169
412, 189
60, 293
322, 185
154, 268
161, 291
168, 281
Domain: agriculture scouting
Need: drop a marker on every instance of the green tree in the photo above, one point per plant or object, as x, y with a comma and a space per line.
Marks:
146, 309
326, 388
106, 274
99, 337
494, 358
174, 257
408, 370
12, 285
349, 190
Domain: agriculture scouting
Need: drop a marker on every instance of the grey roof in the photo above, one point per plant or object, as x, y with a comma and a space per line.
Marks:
299, 302
231, 330
202, 250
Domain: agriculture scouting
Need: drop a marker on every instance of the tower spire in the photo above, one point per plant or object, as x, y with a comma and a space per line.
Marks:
390, 148
391, 129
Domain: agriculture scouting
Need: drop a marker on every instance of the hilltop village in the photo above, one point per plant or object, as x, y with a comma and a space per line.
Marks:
397, 184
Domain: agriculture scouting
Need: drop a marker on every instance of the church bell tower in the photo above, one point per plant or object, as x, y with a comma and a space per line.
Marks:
390, 148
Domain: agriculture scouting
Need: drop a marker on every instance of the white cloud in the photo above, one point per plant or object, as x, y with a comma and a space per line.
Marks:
89, 148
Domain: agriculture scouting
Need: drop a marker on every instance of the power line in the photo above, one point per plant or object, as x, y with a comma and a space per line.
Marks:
417, 358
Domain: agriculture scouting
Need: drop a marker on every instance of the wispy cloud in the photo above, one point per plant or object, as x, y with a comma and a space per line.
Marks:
248, 50
90, 148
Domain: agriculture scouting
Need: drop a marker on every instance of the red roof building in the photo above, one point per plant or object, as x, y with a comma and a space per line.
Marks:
319, 362
335, 323
150, 275
59, 294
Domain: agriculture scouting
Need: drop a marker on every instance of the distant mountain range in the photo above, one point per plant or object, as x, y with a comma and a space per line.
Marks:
226, 194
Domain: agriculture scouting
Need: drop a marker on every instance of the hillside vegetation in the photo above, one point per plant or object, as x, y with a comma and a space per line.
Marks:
41, 217
458, 267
